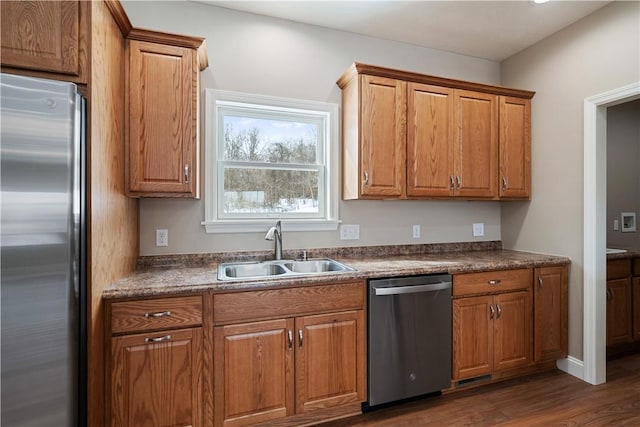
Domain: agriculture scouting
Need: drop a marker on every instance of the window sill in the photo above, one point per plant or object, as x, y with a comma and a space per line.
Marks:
253, 226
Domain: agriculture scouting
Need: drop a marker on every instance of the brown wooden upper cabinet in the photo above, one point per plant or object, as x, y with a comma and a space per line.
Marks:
515, 148
162, 91
46, 36
408, 135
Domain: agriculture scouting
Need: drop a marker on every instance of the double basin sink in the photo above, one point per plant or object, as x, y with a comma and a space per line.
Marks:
279, 268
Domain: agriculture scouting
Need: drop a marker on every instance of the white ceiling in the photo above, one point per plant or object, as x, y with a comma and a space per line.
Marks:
493, 30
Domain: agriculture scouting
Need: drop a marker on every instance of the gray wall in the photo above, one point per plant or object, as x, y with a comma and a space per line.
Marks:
623, 171
257, 54
598, 53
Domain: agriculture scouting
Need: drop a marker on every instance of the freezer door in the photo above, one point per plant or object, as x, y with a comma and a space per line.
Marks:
39, 275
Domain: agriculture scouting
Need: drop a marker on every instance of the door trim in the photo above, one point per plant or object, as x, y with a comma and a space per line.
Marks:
594, 229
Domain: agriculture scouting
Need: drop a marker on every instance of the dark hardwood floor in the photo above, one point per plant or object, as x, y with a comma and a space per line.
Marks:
546, 399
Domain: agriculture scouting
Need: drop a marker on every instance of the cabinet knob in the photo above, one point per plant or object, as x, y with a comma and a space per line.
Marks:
494, 281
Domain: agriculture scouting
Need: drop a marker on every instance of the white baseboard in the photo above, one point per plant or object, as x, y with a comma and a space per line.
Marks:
572, 366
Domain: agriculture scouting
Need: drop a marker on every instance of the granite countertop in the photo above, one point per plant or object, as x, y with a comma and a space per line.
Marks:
630, 253
180, 280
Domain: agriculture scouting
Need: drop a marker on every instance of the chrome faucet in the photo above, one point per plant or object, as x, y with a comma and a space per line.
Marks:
275, 233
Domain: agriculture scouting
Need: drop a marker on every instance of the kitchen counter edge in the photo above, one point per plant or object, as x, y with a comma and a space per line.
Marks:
158, 283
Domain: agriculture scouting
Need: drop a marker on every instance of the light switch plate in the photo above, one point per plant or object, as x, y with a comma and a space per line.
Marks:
416, 231
478, 229
350, 232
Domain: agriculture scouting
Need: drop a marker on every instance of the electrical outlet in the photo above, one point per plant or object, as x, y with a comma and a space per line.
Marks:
350, 232
416, 231
162, 237
478, 229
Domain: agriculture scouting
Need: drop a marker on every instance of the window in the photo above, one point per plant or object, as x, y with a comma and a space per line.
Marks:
269, 158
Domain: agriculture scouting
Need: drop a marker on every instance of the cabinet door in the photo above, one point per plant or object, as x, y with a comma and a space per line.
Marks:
476, 144
618, 311
472, 336
383, 137
43, 35
330, 360
253, 377
513, 331
515, 148
550, 313
429, 136
162, 117
156, 379
636, 308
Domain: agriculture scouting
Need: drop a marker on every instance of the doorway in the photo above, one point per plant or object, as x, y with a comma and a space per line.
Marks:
594, 227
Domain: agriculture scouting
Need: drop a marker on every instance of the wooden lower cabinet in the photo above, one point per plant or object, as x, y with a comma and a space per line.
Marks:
272, 369
253, 372
329, 360
619, 311
491, 333
550, 319
157, 379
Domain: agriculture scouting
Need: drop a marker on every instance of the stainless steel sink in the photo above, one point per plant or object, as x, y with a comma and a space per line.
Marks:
280, 268
316, 266
240, 271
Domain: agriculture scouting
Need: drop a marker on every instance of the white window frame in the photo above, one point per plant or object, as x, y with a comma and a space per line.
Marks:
215, 221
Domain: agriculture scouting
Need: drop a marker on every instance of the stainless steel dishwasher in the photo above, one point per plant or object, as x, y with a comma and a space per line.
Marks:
409, 331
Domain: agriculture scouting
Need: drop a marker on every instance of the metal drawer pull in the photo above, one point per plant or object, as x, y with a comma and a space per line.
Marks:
186, 174
539, 281
290, 335
158, 339
492, 312
499, 311
452, 184
504, 183
300, 337
494, 281
366, 179
158, 314
459, 181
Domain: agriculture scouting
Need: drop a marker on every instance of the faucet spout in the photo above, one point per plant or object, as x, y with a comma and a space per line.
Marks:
275, 233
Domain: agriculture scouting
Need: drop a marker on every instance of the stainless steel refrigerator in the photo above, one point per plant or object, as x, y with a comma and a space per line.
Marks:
42, 290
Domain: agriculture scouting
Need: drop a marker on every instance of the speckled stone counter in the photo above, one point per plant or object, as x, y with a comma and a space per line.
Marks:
159, 277
630, 253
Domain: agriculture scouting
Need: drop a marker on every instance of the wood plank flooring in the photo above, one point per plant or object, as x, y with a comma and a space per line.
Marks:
546, 399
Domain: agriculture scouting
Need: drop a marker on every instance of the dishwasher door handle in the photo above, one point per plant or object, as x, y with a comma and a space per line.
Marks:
414, 289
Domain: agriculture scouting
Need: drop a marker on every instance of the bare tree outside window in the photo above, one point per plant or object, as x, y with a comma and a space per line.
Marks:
270, 165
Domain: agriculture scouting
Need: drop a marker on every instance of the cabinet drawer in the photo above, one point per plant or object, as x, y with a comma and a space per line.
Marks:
158, 313
279, 303
491, 282
618, 268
